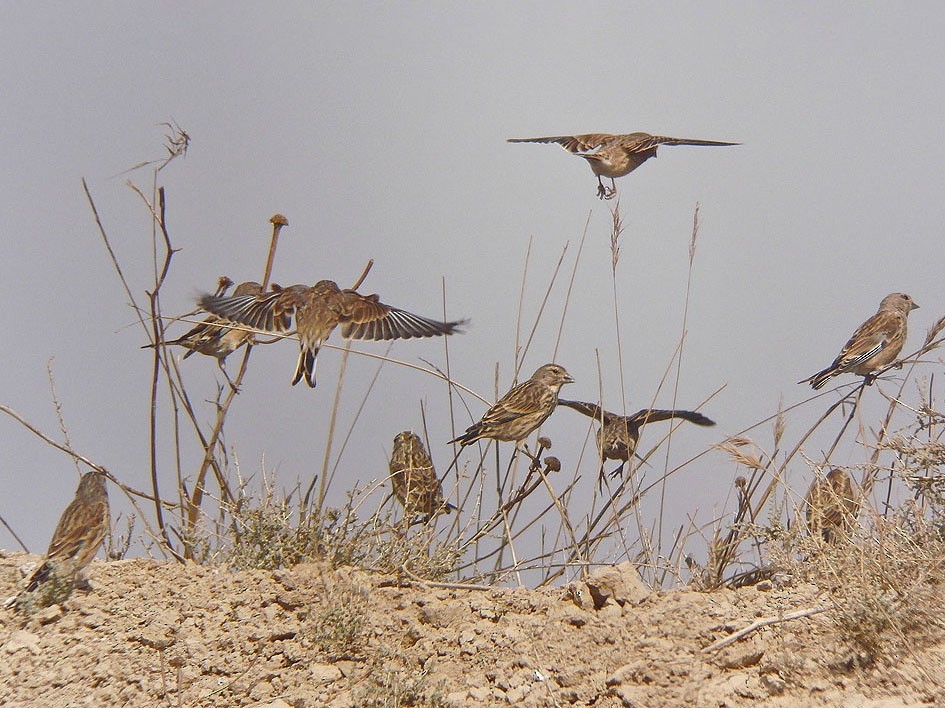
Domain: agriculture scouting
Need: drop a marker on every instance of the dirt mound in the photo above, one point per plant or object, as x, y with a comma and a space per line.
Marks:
154, 633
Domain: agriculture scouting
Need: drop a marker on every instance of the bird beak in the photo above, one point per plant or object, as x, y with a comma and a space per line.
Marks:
915, 306
569, 378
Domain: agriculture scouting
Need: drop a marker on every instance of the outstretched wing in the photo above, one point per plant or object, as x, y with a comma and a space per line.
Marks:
365, 317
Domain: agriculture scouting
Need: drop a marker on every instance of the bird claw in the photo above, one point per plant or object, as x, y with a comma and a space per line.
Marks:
606, 192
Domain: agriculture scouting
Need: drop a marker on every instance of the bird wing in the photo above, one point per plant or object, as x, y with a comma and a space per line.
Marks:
644, 141
870, 339
572, 143
591, 410
269, 312
521, 400
365, 317
653, 415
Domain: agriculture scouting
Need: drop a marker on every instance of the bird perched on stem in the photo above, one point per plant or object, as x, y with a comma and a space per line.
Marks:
832, 505
615, 155
618, 435
414, 479
78, 536
215, 336
874, 345
523, 409
317, 310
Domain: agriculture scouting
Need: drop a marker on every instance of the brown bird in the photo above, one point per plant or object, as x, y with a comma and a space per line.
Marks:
618, 435
875, 344
522, 410
78, 536
214, 337
832, 506
414, 479
317, 310
614, 155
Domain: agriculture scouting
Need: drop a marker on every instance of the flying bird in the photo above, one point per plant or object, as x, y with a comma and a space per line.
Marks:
78, 536
875, 344
615, 155
523, 409
618, 435
317, 310
832, 506
414, 479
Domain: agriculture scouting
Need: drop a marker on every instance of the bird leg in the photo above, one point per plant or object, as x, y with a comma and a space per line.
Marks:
618, 472
606, 192
227, 376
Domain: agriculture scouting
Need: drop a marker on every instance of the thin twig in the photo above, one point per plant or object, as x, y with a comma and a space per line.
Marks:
766, 622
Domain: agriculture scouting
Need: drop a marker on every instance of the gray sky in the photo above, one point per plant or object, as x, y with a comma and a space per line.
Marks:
380, 132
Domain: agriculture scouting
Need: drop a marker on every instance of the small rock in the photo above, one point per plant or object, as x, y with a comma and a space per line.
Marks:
616, 584
22, 639
50, 614
774, 683
325, 673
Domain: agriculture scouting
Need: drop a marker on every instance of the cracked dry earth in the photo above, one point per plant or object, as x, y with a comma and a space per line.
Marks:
156, 633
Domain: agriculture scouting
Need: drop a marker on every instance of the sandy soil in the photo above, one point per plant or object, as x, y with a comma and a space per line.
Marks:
152, 633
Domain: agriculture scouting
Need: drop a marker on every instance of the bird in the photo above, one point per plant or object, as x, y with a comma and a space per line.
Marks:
317, 310
78, 536
618, 435
414, 479
876, 343
214, 337
615, 155
520, 411
831, 506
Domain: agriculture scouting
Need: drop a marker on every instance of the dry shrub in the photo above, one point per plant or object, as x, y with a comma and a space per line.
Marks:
392, 683
338, 626
884, 584
270, 533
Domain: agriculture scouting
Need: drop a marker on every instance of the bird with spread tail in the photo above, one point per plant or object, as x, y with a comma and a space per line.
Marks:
78, 536
523, 409
414, 479
317, 310
874, 345
618, 435
615, 155
832, 505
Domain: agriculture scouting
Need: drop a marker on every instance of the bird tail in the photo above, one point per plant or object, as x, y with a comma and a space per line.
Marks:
821, 377
470, 436
40, 576
306, 366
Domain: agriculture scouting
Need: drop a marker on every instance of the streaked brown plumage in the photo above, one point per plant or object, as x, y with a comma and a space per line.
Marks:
78, 536
618, 435
875, 344
832, 505
523, 409
317, 310
615, 155
213, 337
414, 479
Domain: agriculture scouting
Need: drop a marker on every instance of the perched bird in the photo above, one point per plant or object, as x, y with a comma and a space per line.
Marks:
618, 435
875, 344
614, 155
522, 410
832, 506
214, 337
414, 479
78, 536
317, 310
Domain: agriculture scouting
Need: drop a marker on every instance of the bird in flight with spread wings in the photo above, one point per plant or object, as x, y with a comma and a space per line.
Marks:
615, 155
316, 311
